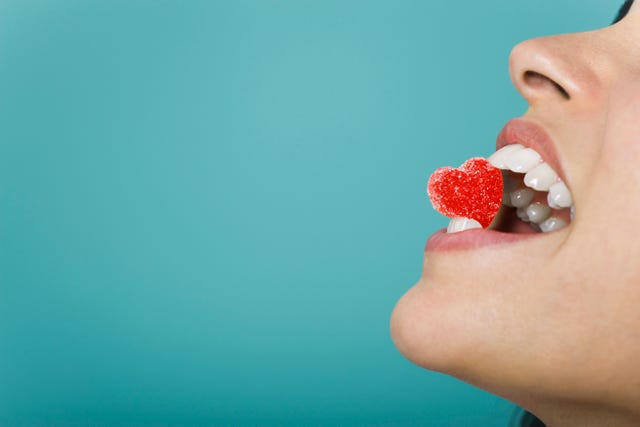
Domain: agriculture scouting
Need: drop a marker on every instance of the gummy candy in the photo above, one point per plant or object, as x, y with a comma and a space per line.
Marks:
474, 190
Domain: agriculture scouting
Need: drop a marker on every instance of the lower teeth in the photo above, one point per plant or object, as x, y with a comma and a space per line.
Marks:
521, 165
460, 224
552, 224
539, 214
533, 208
529, 207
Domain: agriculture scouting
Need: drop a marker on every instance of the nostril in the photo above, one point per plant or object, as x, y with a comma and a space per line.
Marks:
540, 81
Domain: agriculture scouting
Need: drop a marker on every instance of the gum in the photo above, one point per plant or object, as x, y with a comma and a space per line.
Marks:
474, 190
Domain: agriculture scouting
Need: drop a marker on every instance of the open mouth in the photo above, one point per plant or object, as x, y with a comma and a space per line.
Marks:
535, 197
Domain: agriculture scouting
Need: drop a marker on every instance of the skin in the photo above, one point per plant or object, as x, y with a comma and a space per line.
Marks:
553, 323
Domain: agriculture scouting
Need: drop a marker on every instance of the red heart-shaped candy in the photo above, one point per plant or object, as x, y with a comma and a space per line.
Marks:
474, 190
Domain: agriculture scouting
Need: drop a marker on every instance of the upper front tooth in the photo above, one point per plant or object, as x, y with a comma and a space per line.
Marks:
460, 224
540, 177
522, 161
498, 158
559, 195
551, 203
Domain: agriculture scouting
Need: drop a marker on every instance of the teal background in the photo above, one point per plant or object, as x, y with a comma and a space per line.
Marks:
209, 209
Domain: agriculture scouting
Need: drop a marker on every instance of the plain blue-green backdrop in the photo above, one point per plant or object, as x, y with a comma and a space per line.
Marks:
208, 209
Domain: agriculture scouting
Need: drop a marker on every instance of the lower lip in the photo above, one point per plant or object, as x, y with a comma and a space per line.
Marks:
473, 239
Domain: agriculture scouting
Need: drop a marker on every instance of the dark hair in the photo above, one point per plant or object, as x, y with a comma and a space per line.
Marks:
523, 418
623, 10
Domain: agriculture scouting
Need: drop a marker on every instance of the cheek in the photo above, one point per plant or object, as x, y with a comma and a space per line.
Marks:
620, 152
607, 215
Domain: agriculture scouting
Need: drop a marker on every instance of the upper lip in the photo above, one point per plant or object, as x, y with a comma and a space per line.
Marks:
529, 134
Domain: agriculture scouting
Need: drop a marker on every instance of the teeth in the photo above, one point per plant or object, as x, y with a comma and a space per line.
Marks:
541, 177
559, 195
552, 224
522, 161
522, 214
538, 176
509, 184
521, 198
552, 204
458, 224
498, 158
538, 212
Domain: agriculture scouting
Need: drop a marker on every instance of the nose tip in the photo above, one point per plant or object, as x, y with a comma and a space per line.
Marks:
567, 69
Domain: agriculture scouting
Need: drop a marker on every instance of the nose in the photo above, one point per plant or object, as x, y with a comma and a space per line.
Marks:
557, 69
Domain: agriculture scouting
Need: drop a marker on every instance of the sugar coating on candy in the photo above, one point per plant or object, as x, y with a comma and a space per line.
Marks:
474, 190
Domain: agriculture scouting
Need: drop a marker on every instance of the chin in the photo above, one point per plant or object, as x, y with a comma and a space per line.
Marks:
479, 284
479, 310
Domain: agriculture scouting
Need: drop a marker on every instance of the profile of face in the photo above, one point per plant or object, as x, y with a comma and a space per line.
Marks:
551, 321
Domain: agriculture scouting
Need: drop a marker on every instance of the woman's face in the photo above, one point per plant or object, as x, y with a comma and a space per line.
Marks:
551, 321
